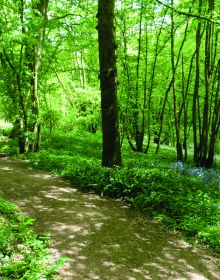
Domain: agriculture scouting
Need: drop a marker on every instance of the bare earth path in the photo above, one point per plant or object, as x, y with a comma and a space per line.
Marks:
103, 238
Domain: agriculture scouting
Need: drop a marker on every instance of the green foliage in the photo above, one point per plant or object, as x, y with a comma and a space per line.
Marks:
51, 119
23, 253
88, 110
8, 147
211, 235
7, 208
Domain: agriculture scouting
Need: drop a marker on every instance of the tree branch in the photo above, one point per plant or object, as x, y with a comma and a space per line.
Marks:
188, 14
64, 16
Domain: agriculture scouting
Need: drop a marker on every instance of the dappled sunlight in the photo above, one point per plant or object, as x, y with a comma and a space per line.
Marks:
196, 276
103, 238
42, 176
6, 168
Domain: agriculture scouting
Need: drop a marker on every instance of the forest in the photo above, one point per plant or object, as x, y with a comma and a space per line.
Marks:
122, 99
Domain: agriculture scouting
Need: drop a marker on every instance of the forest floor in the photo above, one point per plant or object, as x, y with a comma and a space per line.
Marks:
103, 238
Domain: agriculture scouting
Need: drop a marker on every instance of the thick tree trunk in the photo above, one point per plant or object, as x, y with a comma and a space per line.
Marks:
111, 154
185, 104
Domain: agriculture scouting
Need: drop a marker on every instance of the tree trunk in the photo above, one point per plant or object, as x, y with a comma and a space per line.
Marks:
176, 119
208, 125
125, 118
111, 153
138, 129
215, 122
172, 81
152, 81
196, 88
34, 65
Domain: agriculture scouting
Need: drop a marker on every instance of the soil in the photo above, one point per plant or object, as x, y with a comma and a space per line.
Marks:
103, 238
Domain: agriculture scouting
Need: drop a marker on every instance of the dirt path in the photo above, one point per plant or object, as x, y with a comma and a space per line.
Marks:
103, 238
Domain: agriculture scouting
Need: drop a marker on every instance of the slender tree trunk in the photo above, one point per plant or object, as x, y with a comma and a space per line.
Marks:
83, 72
127, 73
139, 131
174, 69
152, 81
215, 122
35, 64
185, 103
79, 65
145, 91
185, 107
208, 74
111, 154
177, 123
22, 110
196, 88
205, 125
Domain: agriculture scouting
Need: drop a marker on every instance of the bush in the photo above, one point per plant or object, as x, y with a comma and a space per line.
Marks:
8, 147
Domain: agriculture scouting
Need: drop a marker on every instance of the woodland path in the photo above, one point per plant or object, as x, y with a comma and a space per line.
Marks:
104, 238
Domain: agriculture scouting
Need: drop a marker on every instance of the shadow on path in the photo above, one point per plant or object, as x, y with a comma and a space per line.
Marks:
103, 238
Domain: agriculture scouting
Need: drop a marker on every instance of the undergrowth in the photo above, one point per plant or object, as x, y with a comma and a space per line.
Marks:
23, 254
184, 197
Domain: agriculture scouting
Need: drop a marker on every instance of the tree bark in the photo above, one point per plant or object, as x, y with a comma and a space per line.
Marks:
111, 153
